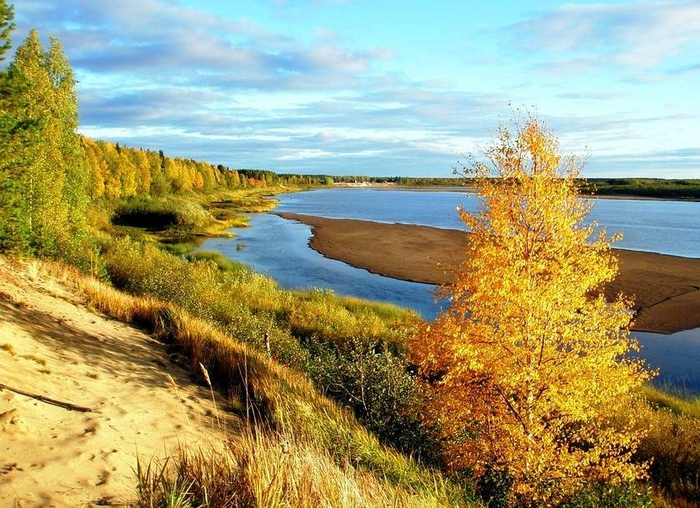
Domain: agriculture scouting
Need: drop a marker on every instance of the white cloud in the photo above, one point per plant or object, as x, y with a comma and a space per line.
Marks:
295, 155
641, 35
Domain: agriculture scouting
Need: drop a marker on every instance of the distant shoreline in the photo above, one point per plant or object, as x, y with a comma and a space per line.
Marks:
666, 288
467, 188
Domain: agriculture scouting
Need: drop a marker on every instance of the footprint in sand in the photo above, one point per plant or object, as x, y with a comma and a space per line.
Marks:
8, 468
102, 478
11, 422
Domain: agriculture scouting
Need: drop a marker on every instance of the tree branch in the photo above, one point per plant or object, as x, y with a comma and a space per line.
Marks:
48, 400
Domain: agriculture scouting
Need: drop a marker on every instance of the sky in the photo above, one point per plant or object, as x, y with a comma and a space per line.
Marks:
384, 87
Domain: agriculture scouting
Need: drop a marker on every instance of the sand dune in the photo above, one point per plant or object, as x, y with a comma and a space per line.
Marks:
666, 288
52, 346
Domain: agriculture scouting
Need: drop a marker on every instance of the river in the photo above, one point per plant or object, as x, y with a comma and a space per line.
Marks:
279, 248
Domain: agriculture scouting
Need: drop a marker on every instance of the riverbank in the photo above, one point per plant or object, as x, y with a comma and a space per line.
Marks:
666, 288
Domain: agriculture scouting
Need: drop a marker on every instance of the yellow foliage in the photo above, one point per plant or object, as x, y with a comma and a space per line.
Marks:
528, 366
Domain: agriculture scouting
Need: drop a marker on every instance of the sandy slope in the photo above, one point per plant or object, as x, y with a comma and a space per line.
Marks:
52, 346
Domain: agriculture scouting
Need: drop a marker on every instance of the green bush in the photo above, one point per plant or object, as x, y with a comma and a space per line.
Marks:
375, 383
162, 213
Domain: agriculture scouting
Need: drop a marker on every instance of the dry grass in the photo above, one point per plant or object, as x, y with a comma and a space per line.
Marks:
270, 470
301, 448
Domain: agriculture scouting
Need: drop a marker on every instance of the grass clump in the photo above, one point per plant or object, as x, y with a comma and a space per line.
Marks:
223, 263
273, 470
672, 445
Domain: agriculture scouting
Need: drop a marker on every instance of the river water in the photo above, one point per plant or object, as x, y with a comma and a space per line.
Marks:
279, 248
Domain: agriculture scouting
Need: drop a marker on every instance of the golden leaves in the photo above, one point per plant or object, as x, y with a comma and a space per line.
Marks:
527, 365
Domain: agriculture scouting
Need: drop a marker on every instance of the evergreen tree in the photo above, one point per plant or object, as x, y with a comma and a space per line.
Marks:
7, 125
20, 136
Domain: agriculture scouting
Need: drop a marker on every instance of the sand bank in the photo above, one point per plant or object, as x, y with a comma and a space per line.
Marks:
666, 288
140, 403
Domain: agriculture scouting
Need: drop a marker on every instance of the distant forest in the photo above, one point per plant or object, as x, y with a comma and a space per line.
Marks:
641, 187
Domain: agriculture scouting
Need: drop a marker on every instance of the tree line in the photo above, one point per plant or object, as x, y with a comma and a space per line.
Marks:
50, 174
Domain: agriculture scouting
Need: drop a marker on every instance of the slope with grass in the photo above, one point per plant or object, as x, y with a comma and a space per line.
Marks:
297, 448
139, 402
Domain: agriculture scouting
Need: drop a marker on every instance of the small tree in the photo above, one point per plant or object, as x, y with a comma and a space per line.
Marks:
528, 366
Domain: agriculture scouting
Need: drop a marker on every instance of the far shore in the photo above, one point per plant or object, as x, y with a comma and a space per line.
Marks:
469, 188
666, 288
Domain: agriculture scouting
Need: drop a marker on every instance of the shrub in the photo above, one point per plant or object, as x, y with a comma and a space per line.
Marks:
629, 495
162, 213
375, 383
673, 446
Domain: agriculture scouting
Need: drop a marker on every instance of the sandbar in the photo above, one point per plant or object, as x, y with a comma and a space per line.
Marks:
666, 288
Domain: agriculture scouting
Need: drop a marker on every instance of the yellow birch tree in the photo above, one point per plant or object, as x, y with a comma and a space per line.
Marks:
528, 367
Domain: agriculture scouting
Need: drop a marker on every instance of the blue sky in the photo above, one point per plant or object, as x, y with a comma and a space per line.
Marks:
384, 87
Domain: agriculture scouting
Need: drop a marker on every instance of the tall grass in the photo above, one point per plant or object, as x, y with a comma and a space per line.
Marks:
272, 470
672, 445
282, 408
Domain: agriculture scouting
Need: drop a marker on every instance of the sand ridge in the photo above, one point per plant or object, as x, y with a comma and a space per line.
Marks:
53, 346
666, 288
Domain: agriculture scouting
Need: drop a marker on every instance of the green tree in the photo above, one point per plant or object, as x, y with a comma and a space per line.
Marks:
24, 118
69, 154
42, 154
9, 135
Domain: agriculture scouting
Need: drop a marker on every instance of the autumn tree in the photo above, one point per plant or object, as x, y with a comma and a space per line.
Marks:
528, 367
43, 181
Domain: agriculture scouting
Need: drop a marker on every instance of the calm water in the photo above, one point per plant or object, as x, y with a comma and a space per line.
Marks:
667, 227
279, 248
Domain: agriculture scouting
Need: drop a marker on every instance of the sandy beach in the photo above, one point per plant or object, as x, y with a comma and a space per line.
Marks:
666, 288
123, 398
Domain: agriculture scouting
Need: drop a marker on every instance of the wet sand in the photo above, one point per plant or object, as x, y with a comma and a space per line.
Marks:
666, 288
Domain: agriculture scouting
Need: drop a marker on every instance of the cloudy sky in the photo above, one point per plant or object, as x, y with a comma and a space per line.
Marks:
384, 87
